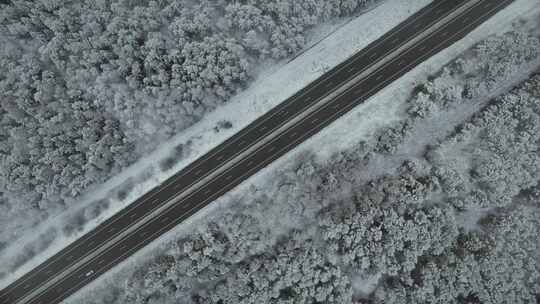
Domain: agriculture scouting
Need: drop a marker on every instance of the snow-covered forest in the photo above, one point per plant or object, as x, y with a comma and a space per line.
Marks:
443, 206
88, 87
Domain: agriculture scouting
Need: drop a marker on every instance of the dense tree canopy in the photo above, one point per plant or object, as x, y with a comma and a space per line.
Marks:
453, 218
87, 87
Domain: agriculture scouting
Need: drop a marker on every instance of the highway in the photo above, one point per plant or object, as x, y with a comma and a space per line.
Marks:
352, 82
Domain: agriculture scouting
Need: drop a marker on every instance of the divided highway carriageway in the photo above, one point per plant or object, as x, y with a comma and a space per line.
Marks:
352, 82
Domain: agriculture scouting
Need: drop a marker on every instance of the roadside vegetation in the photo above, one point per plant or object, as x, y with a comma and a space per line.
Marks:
88, 87
441, 207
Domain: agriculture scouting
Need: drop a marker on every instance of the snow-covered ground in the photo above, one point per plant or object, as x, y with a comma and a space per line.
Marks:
274, 84
382, 110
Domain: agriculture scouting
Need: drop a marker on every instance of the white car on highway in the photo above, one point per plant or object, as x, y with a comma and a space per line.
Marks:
91, 272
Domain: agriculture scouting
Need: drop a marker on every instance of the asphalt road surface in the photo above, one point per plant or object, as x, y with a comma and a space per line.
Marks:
432, 29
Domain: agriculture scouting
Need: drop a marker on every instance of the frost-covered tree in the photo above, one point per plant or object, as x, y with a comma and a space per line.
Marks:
498, 265
297, 272
429, 231
87, 87
447, 218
